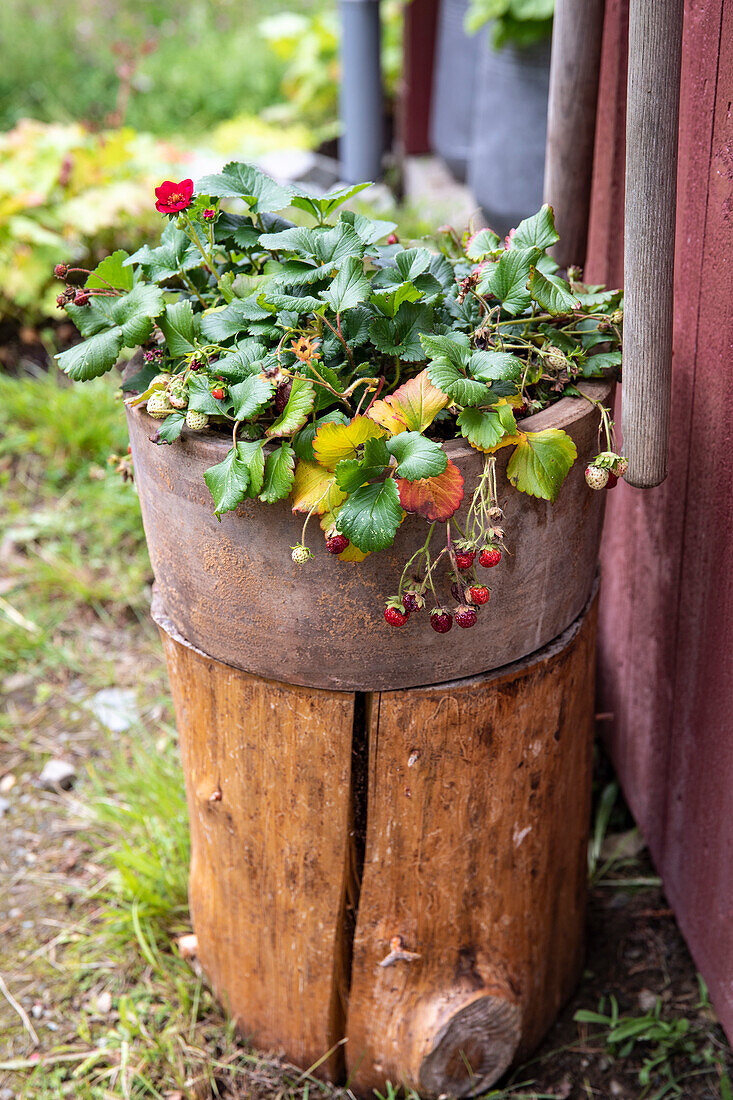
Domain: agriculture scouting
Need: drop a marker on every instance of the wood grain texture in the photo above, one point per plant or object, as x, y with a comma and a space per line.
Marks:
233, 591
571, 122
479, 795
267, 771
666, 613
652, 116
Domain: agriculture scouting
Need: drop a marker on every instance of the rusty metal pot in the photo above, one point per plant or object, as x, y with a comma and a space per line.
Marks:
231, 589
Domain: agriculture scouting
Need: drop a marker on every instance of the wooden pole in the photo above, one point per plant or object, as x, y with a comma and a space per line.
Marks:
652, 115
571, 121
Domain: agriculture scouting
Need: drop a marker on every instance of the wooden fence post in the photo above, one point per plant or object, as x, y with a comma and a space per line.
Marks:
571, 121
652, 117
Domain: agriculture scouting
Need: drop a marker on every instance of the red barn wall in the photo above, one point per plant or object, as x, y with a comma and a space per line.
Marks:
666, 625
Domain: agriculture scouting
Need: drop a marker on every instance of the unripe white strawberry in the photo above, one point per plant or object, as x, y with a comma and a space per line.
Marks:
162, 379
556, 358
621, 467
158, 405
178, 394
301, 554
596, 477
196, 421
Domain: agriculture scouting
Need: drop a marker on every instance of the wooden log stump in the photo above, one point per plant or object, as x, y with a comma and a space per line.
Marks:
405, 870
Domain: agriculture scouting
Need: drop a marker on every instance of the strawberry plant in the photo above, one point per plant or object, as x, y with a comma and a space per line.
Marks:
340, 364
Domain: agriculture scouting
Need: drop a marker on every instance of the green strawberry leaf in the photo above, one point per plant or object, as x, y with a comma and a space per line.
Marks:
297, 410
455, 348
253, 453
370, 230
218, 325
250, 396
389, 300
179, 326
243, 181
492, 366
483, 244
451, 381
170, 428
238, 229
552, 293
507, 280
349, 288
93, 357
200, 398
176, 253
352, 472
111, 272
371, 515
401, 336
228, 481
417, 457
279, 474
242, 362
536, 232
484, 428
601, 363
540, 462
322, 207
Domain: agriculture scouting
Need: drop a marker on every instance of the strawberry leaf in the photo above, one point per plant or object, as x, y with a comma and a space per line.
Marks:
451, 380
200, 398
315, 488
493, 366
335, 442
435, 498
111, 272
507, 280
541, 461
179, 326
401, 336
349, 287
412, 407
250, 396
243, 181
536, 232
417, 457
93, 357
279, 474
483, 428
370, 516
552, 293
297, 410
228, 481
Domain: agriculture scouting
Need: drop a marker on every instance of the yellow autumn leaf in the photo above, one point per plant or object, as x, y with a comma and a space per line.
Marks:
507, 441
411, 408
314, 489
334, 442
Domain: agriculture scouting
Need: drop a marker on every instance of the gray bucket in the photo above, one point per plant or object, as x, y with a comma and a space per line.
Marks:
507, 161
454, 86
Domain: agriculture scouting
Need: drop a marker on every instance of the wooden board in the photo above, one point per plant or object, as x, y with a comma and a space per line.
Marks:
666, 614
479, 795
267, 771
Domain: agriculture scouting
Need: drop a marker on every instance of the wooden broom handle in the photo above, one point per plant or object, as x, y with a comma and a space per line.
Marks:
652, 120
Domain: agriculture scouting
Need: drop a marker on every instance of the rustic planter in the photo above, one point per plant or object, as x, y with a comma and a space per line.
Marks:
231, 590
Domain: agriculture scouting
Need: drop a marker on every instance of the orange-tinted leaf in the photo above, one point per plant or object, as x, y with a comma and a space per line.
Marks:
315, 488
435, 498
411, 408
335, 442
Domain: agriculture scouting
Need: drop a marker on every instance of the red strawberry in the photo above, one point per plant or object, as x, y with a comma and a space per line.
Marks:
464, 558
478, 594
336, 544
395, 617
218, 393
413, 601
441, 620
82, 298
612, 480
465, 616
489, 556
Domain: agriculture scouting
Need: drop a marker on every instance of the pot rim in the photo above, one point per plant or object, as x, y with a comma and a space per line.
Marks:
562, 414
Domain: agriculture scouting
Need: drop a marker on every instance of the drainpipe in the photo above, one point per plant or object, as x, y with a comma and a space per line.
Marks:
362, 137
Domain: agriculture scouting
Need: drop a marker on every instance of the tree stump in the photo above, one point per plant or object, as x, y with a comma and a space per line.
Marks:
404, 870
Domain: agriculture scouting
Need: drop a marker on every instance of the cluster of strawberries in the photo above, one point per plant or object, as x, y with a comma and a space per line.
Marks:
469, 596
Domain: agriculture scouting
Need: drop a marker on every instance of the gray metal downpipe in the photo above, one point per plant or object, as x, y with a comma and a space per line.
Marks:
362, 130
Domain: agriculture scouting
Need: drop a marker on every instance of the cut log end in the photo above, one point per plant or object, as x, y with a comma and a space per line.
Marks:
473, 1049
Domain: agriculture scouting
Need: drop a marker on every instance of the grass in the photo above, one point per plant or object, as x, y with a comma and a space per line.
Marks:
103, 899
207, 63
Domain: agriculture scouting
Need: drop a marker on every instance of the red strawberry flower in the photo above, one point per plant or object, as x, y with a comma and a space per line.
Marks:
172, 197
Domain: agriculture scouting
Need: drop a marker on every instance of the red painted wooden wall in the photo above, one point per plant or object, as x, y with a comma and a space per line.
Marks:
666, 629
